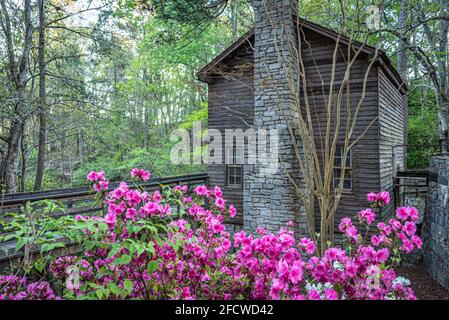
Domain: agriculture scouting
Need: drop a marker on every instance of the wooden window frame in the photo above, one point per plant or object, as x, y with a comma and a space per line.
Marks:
348, 169
230, 166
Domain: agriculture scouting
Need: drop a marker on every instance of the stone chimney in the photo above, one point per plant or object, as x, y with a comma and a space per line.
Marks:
270, 200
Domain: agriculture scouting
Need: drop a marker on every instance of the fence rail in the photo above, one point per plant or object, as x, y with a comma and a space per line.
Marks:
79, 200
14, 199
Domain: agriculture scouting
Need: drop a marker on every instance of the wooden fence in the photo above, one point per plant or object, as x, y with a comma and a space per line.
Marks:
80, 200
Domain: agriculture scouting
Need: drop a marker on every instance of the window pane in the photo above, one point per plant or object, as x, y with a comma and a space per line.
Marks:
337, 162
234, 175
348, 159
238, 180
336, 178
230, 176
238, 171
347, 184
339, 152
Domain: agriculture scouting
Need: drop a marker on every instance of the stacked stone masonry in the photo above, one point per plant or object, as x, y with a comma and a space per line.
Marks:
270, 200
435, 231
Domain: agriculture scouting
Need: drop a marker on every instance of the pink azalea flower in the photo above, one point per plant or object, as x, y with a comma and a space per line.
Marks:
395, 225
409, 228
371, 197
218, 192
130, 213
92, 176
366, 216
384, 197
232, 211
403, 213
344, 224
157, 196
377, 240
201, 191
260, 230
187, 200
100, 176
385, 229
314, 295
183, 189
382, 255
417, 241
185, 294
110, 219
226, 244
407, 245
141, 174
330, 294
220, 203
351, 269
275, 291
352, 233
414, 214
296, 272
307, 245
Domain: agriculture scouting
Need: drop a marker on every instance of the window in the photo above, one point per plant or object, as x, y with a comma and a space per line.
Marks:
338, 166
234, 161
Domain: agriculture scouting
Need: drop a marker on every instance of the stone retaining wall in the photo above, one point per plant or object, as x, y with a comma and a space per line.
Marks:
435, 231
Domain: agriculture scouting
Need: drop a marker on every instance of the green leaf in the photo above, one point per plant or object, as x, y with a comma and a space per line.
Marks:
114, 288
20, 244
99, 293
152, 266
106, 292
150, 248
125, 259
39, 266
128, 285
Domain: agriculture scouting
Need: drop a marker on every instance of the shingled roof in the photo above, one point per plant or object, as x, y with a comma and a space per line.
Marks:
248, 37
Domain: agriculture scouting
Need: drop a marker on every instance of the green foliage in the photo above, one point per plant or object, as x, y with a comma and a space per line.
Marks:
422, 129
155, 159
36, 228
185, 11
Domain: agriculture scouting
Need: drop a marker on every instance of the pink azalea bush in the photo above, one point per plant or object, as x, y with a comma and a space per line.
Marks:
13, 287
171, 245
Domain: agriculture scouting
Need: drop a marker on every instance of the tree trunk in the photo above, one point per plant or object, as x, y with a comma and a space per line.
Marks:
402, 46
42, 100
443, 99
23, 164
81, 146
62, 149
443, 118
234, 20
146, 131
18, 74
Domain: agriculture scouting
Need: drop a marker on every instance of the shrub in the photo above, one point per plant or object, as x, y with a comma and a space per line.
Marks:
169, 245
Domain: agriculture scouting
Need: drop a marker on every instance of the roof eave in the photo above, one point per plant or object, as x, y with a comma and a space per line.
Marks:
203, 73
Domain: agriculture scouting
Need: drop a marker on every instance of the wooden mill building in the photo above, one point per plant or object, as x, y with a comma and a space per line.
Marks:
235, 96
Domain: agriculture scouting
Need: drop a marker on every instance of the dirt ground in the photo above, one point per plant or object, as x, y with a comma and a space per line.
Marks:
425, 287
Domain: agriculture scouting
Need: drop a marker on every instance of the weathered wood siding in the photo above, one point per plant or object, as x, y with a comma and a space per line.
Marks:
231, 105
392, 128
318, 60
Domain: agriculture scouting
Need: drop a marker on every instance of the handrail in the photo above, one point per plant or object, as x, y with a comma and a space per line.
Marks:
56, 194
